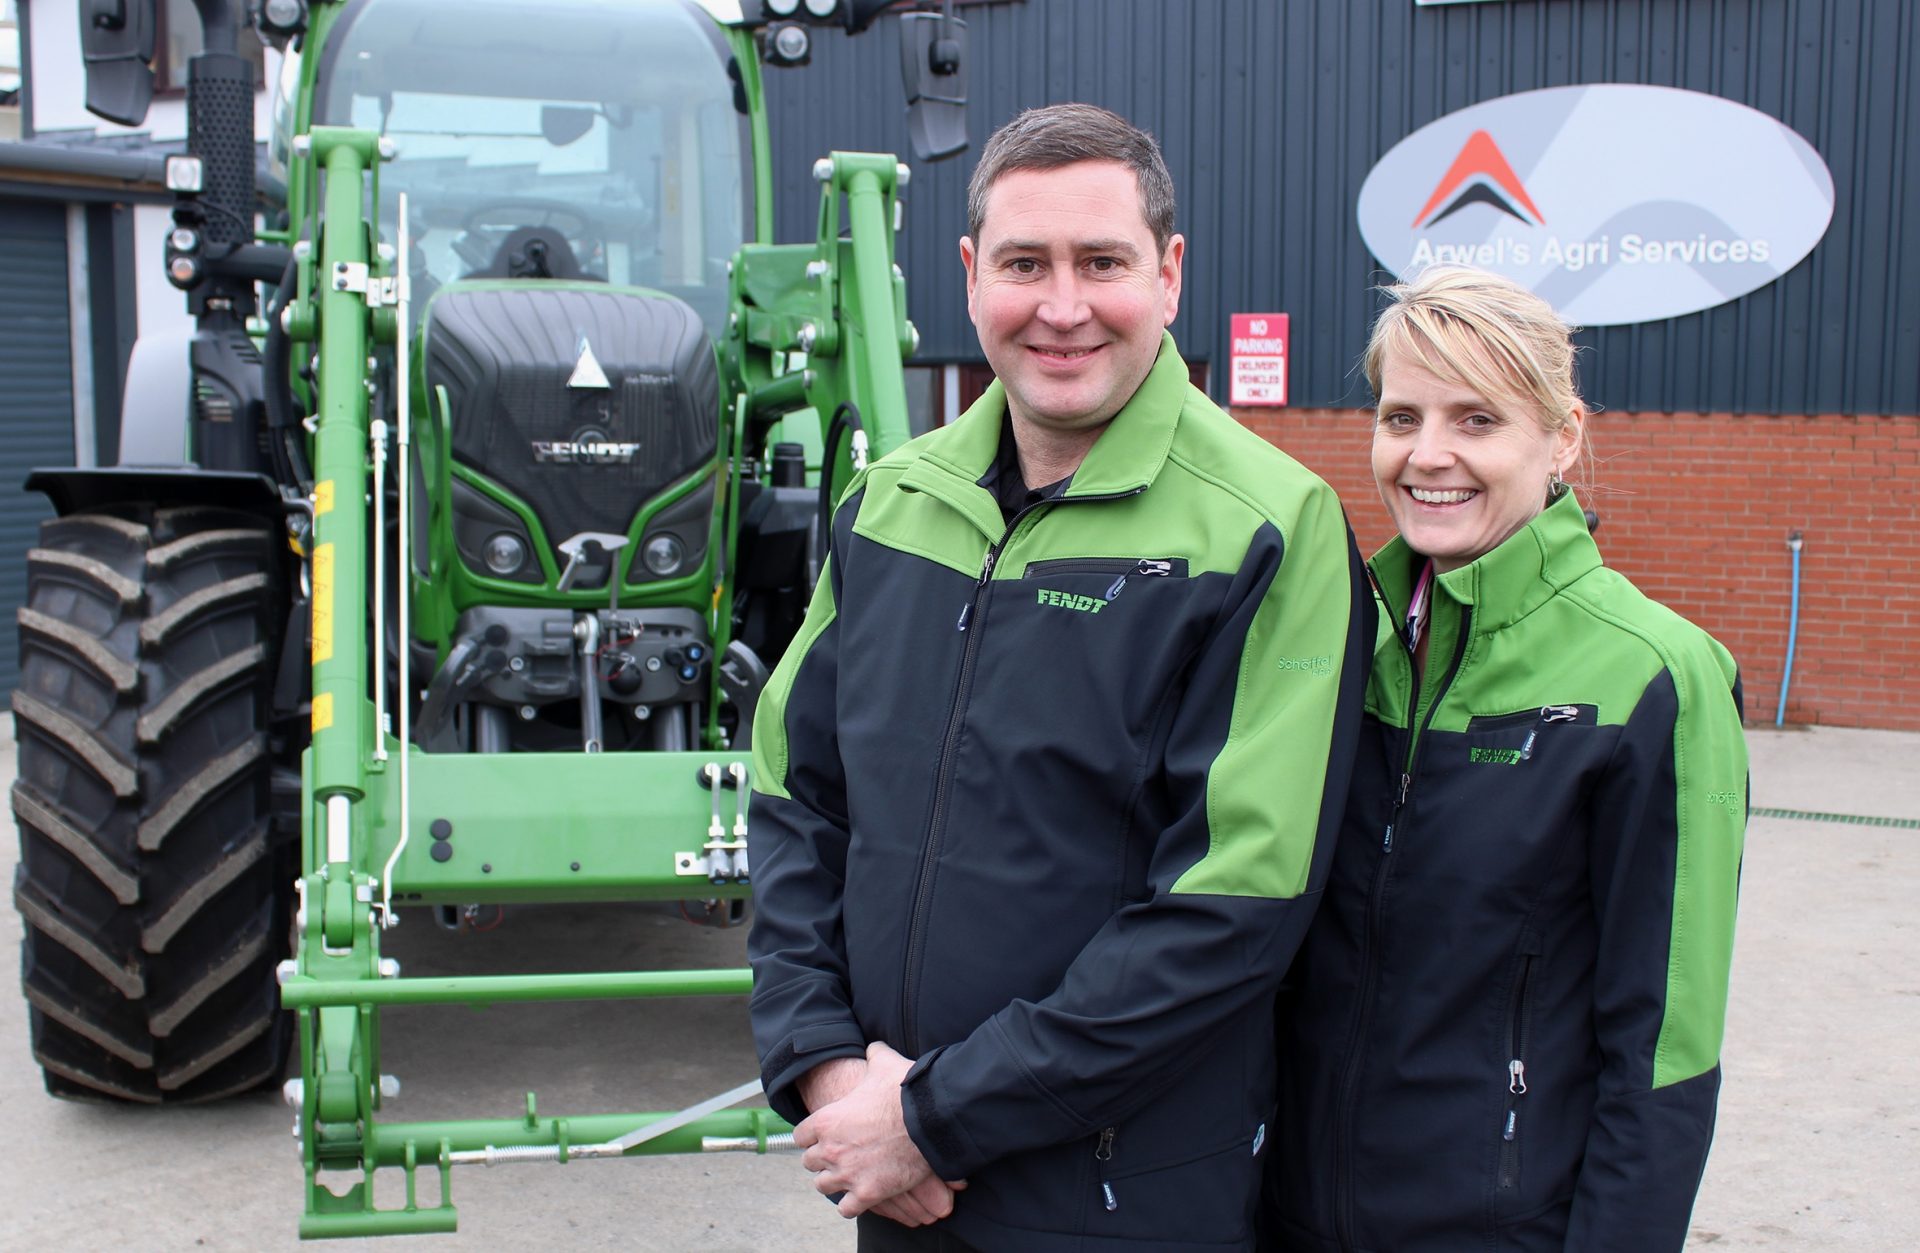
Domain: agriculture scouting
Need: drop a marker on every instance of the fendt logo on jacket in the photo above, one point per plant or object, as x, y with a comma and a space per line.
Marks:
1071, 600
1616, 203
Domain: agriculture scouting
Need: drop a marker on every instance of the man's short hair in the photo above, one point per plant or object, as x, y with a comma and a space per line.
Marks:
1064, 134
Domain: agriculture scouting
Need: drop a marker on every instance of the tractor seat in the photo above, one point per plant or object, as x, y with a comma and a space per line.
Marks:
535, 252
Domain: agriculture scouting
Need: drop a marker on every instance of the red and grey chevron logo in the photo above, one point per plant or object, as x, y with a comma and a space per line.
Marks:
1479, 175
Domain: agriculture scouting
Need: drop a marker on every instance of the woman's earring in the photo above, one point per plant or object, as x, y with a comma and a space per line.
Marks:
1555, 485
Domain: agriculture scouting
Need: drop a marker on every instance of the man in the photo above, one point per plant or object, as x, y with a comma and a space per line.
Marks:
1047, 782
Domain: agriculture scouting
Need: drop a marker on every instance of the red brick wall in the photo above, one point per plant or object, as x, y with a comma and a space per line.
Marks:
1695, 509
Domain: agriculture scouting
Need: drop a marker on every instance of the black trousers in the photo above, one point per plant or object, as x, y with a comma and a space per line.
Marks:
883, 1235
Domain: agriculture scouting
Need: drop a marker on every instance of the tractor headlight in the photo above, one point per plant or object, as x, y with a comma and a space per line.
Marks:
185, 173
791, 44
504, 554
821, 8
783, 8
663, 555
284, 15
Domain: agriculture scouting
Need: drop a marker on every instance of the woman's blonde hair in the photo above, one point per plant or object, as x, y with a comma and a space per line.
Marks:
1481, 331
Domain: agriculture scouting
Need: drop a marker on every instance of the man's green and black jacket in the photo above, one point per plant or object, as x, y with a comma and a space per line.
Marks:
1504, 1027
1047, 804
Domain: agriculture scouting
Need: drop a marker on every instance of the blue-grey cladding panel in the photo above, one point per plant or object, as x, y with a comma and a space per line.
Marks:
36, 393
1271, 112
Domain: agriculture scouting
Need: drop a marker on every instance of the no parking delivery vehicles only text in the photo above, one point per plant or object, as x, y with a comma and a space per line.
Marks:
1614, 202
1257, 359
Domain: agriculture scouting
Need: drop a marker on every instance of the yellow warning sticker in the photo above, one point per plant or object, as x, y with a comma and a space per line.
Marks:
322, 497
322, 603
323, 711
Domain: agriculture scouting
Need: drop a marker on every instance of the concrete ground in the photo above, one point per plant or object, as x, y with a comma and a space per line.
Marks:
1818, 1145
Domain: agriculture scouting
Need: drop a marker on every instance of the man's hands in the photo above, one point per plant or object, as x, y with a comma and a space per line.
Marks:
856, 1141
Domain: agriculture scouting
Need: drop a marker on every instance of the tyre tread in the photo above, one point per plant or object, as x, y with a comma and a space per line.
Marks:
223, 972
97, 1084
200, 542
82, 743
176, 1077
182, 909
43, 918
156, 722
87, 526
74, 1021
49, 824
188, 608
187, 797
122, 675
115, 585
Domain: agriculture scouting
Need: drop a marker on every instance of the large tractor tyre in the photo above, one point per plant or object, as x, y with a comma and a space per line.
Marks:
154, 883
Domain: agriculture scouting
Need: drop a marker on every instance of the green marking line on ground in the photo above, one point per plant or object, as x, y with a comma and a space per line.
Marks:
1853, 820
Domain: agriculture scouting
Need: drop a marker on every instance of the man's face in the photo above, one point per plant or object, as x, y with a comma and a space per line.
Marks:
1068, 293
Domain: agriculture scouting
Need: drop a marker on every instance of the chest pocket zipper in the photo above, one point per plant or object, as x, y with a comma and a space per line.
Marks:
1533, 720
1124, 568
1576, 715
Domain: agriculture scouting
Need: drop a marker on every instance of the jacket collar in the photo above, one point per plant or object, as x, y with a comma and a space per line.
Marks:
1507, 584
1126, 458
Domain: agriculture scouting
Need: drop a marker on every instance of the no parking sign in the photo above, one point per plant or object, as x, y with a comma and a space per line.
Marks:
1257, 361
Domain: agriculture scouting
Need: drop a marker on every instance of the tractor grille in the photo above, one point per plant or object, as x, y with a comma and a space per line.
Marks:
585, 458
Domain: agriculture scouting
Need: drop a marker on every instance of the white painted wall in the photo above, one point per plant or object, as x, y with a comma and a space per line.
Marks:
160, 306
59, 87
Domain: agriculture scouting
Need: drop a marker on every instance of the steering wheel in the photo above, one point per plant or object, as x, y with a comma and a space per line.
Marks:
486, 225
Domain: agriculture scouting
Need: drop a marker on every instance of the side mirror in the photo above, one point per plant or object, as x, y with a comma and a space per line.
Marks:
116, 40
562, 124
933, 65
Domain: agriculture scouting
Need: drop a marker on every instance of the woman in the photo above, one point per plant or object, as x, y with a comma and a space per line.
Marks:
1505, 1024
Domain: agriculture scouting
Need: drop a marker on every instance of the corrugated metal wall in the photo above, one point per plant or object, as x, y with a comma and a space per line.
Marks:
36, 400
1271, 112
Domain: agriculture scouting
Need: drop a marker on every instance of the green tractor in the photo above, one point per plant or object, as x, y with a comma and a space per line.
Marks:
449, 572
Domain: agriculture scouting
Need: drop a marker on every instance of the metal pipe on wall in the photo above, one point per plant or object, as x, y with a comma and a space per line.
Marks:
1793, 630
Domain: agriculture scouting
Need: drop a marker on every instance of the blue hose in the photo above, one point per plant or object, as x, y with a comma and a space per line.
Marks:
1793, 631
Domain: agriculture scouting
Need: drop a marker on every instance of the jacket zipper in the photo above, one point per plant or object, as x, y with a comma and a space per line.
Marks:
1107, 565
1528, 717
943, 772
1509, 1176
1103, 1154
1161, 569
1375, 925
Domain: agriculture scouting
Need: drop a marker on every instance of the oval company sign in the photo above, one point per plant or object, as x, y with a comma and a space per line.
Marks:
1616, 203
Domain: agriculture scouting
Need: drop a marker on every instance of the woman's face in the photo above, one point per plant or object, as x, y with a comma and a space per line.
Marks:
1458, 472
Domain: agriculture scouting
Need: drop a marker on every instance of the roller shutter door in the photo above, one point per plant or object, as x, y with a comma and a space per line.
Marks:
36, 392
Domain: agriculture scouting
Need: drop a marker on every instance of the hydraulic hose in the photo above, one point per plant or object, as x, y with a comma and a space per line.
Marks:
276, 364
1793, 630
846, 420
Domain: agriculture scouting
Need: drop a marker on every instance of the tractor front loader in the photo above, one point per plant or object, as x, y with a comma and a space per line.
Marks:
452, 579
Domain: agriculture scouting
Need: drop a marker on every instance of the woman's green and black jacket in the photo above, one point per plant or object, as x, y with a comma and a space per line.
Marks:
1047, 804
1504, 1027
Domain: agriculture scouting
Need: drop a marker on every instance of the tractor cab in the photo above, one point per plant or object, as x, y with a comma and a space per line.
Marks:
575, 180
573, 140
